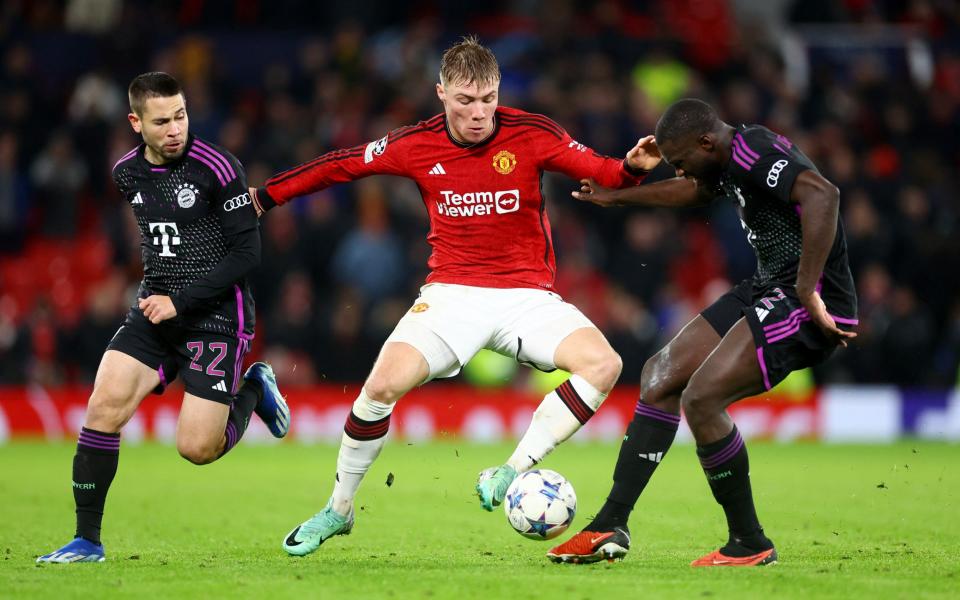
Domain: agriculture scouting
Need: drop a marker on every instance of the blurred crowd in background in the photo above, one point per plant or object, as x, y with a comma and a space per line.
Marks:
869, 89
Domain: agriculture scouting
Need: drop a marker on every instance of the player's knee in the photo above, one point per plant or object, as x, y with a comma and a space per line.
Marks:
614, 365
105, 412
697, 407
612, 368
651, 386
656, 387
602, 370
384, 388
197, 452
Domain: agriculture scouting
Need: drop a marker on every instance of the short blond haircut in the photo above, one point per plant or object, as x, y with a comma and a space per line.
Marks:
469, 62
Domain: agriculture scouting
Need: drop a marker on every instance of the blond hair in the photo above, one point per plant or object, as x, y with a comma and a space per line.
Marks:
469, 62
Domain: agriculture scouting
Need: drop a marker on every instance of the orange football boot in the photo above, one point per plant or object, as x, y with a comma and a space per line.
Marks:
593, 546
718, 559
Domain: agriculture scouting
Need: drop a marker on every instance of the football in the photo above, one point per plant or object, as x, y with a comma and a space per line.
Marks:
540, 504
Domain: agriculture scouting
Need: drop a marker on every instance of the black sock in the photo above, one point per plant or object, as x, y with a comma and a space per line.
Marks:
649, 436
94, 466
243, 404
727, 467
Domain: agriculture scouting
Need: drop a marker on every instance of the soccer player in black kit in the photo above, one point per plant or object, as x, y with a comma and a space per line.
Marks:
793, 313
194, 310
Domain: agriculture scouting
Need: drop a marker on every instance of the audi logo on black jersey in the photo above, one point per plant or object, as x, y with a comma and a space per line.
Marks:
237, 202
773, 176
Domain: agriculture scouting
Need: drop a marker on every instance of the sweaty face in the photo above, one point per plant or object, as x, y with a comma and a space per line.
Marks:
164, 126
469, 109
692, 160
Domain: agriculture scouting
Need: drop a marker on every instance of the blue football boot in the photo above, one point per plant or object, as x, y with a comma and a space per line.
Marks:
272, 408
78, 550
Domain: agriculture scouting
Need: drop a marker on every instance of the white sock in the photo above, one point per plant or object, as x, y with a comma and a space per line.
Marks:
560, 415
363, 438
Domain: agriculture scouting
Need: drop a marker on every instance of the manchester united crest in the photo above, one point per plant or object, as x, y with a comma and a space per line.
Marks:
504, 162
419, 307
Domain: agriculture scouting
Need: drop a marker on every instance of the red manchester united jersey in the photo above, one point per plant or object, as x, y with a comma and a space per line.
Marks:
488, 221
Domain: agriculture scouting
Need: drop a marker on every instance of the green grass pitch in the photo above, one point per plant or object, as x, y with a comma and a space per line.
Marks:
849, 522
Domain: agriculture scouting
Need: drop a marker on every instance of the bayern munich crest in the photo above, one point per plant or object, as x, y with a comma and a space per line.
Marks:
186, 195
504, 162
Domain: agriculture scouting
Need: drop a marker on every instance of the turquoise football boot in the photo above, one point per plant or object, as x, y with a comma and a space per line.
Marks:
307, 537
492, 485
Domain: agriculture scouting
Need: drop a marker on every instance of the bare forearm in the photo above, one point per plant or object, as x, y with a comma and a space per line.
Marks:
676, 192
818, 220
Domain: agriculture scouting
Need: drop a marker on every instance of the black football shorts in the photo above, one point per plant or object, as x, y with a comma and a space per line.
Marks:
208, 363
785, 337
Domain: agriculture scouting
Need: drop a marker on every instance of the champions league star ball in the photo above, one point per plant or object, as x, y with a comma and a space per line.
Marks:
540, 504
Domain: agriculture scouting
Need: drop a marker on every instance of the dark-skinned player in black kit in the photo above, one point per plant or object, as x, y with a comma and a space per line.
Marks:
793, 313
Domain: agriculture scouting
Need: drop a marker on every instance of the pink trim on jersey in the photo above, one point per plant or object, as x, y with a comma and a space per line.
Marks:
126, 157
741, 154
207, 162
217, 156
197, 151
845, 321
747, 150
243, 345
791, 317
785, 333
763, 368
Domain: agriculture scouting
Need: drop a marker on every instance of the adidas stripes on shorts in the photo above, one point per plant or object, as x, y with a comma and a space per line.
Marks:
784, 334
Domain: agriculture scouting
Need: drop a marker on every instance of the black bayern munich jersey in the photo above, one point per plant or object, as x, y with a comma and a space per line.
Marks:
199, 234
759, 179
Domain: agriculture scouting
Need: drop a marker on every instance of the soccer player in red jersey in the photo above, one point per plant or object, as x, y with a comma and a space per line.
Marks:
478, 167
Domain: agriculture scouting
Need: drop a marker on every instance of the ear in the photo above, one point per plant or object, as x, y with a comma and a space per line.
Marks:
135, 122
707, 142
441, 93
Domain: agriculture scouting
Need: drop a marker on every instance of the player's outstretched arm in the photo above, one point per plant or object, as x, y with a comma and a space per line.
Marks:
677, 192
561, 153
819, 202
385, 156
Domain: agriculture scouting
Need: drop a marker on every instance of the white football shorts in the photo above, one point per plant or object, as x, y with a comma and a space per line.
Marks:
450, 323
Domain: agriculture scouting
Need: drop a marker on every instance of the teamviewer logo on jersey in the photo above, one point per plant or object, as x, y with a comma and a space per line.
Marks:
478, 204
508, 201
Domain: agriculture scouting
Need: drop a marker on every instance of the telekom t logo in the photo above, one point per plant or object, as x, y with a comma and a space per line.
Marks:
169, 236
